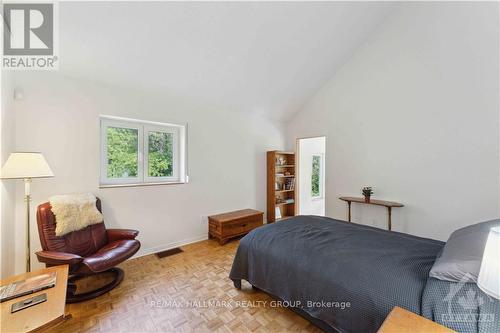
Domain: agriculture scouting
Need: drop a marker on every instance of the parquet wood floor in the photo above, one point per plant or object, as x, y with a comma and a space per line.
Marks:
183, 285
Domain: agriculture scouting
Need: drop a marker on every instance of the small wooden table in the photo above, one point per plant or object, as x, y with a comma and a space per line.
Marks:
388, 204
233, 224
39, 316
403, 321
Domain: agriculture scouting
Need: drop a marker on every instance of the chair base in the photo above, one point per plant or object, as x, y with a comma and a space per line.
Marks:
71, 297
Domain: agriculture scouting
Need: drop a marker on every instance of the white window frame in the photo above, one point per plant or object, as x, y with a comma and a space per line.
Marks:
175, 152
321, 175
105, 124
144, 128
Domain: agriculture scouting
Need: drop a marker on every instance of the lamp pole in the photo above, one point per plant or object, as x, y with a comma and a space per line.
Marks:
27, 199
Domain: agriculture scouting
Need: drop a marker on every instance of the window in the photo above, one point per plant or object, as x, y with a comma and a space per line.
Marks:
316, 176
135, 152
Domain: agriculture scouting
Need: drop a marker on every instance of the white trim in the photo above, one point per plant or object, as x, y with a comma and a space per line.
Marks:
169, 246
142, 122
142, 184
183, 154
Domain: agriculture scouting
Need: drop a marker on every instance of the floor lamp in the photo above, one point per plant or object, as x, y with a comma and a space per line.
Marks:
26, 165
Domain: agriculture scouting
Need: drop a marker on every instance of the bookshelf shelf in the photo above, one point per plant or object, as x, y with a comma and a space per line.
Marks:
284, 204
284, 191
280, 185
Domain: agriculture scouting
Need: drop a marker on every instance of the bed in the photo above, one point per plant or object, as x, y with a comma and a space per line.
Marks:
347, 277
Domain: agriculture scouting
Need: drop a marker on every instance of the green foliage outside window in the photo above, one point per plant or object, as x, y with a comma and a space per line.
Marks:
122, 152
160, 163
315, 178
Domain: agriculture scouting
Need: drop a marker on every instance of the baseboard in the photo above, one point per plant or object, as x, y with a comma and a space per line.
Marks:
169, 246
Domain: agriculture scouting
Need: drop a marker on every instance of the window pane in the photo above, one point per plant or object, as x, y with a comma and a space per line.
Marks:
122, 152
160, 154
315, 192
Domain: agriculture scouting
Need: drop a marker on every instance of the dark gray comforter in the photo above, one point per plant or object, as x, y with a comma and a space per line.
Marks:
346, 275
462, 307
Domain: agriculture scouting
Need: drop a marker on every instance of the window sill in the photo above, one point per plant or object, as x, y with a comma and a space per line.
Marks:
140, 184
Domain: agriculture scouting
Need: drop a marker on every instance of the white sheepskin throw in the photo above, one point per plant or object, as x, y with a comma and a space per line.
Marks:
74, 212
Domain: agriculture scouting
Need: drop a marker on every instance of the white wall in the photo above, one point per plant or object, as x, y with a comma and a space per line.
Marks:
307, 148
414, 113
226, 156
7, 187
498, 38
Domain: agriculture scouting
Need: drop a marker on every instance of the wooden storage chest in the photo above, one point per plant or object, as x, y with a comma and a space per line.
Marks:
225, 226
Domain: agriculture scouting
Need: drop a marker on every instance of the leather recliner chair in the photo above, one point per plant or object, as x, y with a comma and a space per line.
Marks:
88, 251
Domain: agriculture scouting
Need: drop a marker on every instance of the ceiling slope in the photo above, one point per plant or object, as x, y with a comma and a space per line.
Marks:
258, 57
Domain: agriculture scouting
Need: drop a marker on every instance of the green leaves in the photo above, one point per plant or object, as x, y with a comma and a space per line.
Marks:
315, 181
122, 152
160, 148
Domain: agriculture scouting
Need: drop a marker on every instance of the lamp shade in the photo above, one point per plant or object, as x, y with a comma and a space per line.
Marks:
26, 165
489, 274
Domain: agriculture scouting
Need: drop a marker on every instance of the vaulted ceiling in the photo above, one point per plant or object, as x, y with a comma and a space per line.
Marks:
252, 57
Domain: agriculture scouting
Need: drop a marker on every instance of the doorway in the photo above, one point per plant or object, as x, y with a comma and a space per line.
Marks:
311, 158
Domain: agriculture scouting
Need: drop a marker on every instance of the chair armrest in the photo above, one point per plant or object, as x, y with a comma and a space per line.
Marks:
118, 234
58, 258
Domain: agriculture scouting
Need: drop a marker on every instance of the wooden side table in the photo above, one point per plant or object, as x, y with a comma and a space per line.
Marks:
388, 204
39, 316
403, 321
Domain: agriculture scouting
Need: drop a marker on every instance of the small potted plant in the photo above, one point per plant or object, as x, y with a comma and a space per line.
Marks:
367, 192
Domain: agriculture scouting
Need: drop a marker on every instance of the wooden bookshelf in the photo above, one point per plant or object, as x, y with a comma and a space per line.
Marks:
280, 185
